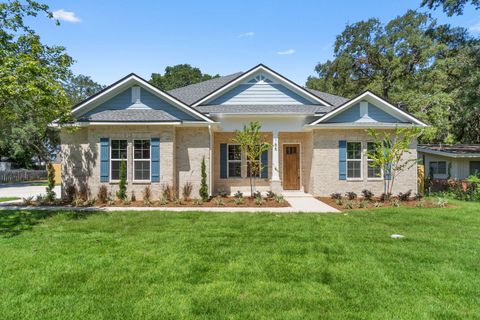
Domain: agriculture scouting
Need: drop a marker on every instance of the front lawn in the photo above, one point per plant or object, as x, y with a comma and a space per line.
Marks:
5, 199
165, 265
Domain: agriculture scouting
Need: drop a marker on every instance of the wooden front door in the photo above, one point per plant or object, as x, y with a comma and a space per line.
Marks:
291, 167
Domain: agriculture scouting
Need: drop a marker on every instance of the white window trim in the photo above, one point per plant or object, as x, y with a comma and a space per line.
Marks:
360, 160
134, 160
236, 161
368, 160
111, 160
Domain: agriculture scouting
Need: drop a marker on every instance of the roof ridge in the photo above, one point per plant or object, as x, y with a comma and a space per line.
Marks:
239, 73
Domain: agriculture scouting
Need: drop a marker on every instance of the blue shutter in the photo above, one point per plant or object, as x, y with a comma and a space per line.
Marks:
155, 158
104, 159
342, 160
264, 159
223, 161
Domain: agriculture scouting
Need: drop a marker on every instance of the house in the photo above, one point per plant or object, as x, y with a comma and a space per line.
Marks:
318, 139
450, 161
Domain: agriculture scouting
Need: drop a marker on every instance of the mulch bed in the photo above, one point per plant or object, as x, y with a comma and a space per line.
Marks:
427, 203
227, 202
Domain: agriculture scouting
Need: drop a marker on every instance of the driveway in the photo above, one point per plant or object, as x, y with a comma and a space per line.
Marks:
24, 189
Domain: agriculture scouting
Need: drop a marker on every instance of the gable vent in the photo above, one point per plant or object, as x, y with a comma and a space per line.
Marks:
136, 95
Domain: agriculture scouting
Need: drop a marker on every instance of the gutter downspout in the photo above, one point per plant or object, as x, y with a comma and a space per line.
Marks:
210, 166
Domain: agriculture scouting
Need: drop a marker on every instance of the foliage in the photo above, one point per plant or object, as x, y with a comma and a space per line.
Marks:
279, 199
396, 203
253, 144
336, 195
390, 152
222, 193
178, 76
70, 192
31, 94
28, 201
258, 201
51, 182
270, 194
133, 197
450, 7
420, 66
385, 196
351, 195
197, 202
367, 194
238, 194
239, 201
405, 196
122, 184
147, 195
218, 201
167, 192
187, 190
102, 194
257, 194
440, 202
203, 191
80, 87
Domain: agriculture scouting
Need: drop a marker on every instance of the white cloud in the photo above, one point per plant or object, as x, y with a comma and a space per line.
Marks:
246, 34
286, 52
68, 16
475, 28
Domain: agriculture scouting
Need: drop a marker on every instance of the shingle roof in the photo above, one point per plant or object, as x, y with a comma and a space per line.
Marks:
453, 149
128, 115
330, 98
195, 92
264, 109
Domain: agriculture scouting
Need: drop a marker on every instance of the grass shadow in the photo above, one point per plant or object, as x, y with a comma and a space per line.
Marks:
14, 222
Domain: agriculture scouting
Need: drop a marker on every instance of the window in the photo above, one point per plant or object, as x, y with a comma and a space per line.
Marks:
438, 167
376, 171
141, 160
354, 160
475, 168
234, 161
118, 153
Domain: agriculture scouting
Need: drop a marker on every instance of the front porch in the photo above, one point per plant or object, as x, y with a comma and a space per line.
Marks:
287, 165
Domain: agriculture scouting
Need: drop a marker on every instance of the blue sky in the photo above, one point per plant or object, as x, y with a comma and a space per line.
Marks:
109, 39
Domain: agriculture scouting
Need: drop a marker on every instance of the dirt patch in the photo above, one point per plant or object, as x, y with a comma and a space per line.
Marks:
375, 203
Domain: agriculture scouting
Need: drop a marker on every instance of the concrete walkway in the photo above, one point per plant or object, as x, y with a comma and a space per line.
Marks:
24, 190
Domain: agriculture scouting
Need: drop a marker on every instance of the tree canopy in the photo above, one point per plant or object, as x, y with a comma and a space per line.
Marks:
413, 62
80, 87
178, 76
450, 7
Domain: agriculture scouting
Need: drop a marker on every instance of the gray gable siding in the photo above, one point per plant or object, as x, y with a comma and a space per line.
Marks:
149, 101
260, 93
375, 114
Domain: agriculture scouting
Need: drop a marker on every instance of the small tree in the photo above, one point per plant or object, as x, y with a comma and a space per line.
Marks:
389, 151
122, 185
51, 183
203, 192
253, 144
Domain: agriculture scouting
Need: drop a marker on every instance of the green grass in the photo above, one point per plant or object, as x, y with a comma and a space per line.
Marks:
164, 265
4, 199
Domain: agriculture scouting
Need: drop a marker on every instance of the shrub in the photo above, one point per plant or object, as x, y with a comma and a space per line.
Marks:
126, 202
239, 200
222, 193
396, 203
70, 193
163, 201
270, 194
203, 191
362, 203
102, 195
417, 196
339, 201
336, 196
28, 201
187, 190
147, 195
440, 202
420, 203
378, 205
197, 202
351, 195
83, 192
218, 201
178, 201
348, 205
367, 194
405, 196
385, 196
167, 192
133, 198
238, 194
258, 201
279, 199
50, 197
122, 185
257, 194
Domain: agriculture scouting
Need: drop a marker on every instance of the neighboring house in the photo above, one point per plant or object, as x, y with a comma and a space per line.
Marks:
450, 161
319, 140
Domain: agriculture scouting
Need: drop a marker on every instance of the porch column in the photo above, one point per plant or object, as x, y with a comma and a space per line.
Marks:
275, 183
